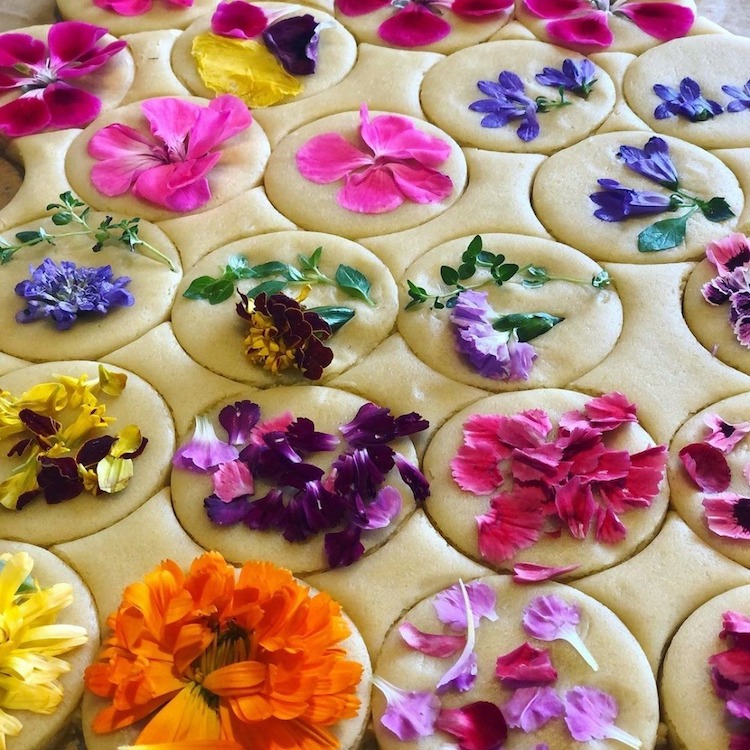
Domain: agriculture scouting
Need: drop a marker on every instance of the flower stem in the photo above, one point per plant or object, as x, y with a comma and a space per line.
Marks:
615, 733
577, 643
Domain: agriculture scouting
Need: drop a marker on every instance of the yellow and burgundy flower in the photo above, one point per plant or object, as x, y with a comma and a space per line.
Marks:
248, 661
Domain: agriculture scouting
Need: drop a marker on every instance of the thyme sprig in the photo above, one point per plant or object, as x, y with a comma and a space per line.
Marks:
71, 211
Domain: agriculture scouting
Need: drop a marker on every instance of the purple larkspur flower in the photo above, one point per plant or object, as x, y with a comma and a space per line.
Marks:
294, 43
507, 101
687, 101
741, 98
617, 202
494, 354
652, 162
575, 76
64, 292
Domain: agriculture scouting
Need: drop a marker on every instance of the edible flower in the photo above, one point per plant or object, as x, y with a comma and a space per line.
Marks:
63, 292
535, 573
687, 102
724, 435
32, 642
584, 24
41, 79
417, 23
410, 714
398, 164
507, 100
653, 162
167, 166
477, 726
617, 202
431, 644
576, 76
551, 618
741, 100
706, 466
728, 515
139, 7
450, 606
525, 666
463, 674
208, 656
204, 451
530, 708
590, 714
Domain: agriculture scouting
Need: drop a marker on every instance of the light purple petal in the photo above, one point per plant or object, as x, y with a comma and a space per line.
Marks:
531, 708
385, 507
204, 450
462, 675
432, 644
590, 715
450, 608
410, 714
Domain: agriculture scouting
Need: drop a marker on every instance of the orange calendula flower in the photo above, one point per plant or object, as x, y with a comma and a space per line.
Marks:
215, 660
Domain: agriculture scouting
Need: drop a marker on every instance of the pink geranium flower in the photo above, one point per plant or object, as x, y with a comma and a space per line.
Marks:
41, 73
138, 7
417, 23
168, 165
396, 164
585, 23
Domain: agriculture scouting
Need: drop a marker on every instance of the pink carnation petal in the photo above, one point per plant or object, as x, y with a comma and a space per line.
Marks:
589, 30
728, 515
525, 666
360, 7
590, 715
663, 21
609, 528
413, 26
463, 674
373, 191
329, 157
729, 253
575, 506
707, 467
125, 7
432, 644
409, 714
275, 424
543, 463
70, 107
609, 411
526, 429
476, 726
21, 48
232, 480
238, 19
483, 428
451, 610
531, 708
24, 116
736, 625
421, 184
476, 470
555, 8
480, 9
724, 435
535, 573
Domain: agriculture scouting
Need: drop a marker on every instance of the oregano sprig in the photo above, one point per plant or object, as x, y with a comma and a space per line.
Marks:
71, 211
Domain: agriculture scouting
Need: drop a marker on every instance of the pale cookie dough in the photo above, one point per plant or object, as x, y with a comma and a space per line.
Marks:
93, 335
313, 206
712, 61
454, 510
565, 182
213, 335
10, 182
623, 669
139, 404
451, 86
590, 315
328, 408
243, 159
40, 731
694, 714
627, 36
337, 52
687, 498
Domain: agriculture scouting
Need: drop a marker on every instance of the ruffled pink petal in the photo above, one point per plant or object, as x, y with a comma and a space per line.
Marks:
729, 253
663, 21
413, 26
728, 515
123, 154
125, 7
724, 435
477, 470
373, 191
409, 714
543, 463
476, 726
527, 429
707, 467
483, 428
21, 48
73, 49
531, 708
170, 120
225, 117
575, 506
70, 107
609, 528
179, 187
555, 8
463, 674
238, 19
609, 411
275, 424
480, 9
535, 573
329, 157
360, 7
451, 610
525, 666
24, 116
589, 30
420, 184
238, 116
432, 644
737, 627
231, 480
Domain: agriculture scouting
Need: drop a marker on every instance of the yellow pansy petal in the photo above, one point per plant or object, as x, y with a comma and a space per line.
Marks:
45, 398
21, 480
114, 473
112, 383
128, 441
242, 67
90, 480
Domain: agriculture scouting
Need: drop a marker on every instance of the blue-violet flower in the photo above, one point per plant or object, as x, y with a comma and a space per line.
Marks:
507, 101
741, 97
576, 77
687, 102
652, 162
617, 202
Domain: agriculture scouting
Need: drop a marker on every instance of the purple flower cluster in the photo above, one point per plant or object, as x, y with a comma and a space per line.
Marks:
64, 292
576, 77
300, 499
687, 102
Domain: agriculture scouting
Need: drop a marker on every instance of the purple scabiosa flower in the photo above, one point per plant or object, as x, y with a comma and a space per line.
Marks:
687, 102
741, 96
64, 292
507, 101
575, 76
617, 202
652, 162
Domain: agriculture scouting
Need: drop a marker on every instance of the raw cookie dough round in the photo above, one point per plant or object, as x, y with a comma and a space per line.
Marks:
40, 731
152, 284
463, 32
314, 206
349, 732
213, 335
712, 61
243, 159
328, 408
624, 672
590, 315
627, 36
695, 715
163, 14
10, 182
454, 511
710, 323
565, 182
337, 52
451, 86
687, 498
109, 83
138, 404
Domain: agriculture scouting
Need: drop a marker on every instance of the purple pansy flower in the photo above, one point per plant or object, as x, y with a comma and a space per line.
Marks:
507, 101
294, 43
575, 76
741, 97
652, 162
687, 101
64, 292
617, 202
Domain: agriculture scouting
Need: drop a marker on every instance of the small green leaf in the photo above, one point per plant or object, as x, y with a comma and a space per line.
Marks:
664, 234
29, 237
269, 287
239, 267
272, 268
474, 248
198, 287
448, 275
452, 301
527, 325
353, 282
466, 271
334, 316
294, 274
61, 218
601, 280
716, 210
504, 273
219, 291
437, 304
311, 262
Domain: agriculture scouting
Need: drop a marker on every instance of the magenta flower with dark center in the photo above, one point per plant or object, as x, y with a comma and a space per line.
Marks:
728, 515
44, 76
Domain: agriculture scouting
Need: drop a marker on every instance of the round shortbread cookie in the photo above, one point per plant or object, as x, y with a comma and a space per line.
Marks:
10, 182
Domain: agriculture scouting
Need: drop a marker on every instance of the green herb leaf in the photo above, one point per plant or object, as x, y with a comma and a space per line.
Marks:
664, 234
239, 267
504, 272
198, 288
473, 250
486, 258
353, 282
311, 262
448, 275
716, 210
269, 287
61, 218
272, 268
334, 316
220, 290
466, 271
29, 237
527, 325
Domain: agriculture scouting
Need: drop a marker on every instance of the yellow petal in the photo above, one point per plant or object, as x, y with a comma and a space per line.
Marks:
112, 383
114, 473
128, 441
14, 572
243, 67
46, 398
21, 480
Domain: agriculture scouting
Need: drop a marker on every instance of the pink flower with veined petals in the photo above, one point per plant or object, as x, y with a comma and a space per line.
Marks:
585, 24
138, 7
397, 164
418, 23
168, 165
41, 74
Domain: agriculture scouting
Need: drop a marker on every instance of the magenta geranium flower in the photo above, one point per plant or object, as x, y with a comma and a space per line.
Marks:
417, 23
168, 165
585, 23
139, 7
41, 75
396, 164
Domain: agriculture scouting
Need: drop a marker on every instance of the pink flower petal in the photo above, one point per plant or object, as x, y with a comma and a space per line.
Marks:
729, 253
124, 154
275, 424
70, 107
609, 528
575, 506
531, 708
527, 429
329, 157
724, 435
480, 429
538, 464
555, 8
589, 30
432, 644
170, 120
21, 48
420, 184
238, 19
476, 726
476, 470
73, 49
535, 573
480, 9
663, 21
232, 480
217, 123
24, 116
737, 626
360, 7
609, 411
463, 674
590, 715
707, 467
204, 451
237, 117
728, 515
178, 187
413, 26
373, 191
384, 508
525, 666
125, 7
409, 714
451, 610
733, 665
